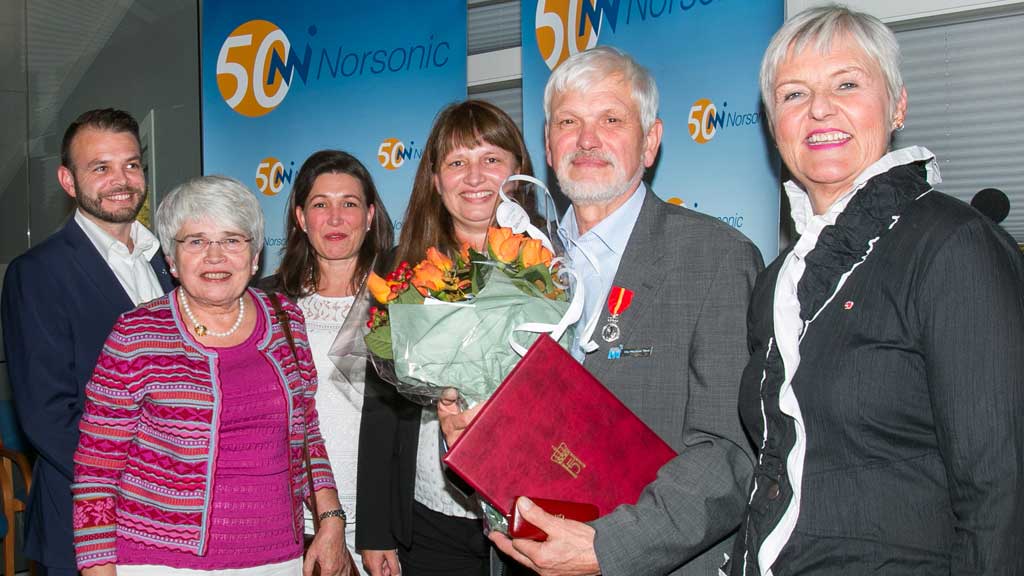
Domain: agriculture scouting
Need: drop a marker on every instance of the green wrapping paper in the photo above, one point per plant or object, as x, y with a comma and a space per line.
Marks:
465, 345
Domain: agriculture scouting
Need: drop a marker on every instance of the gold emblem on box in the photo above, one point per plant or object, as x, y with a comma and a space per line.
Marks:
564, 457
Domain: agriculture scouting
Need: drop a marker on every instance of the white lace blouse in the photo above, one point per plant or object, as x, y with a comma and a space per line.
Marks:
338, 402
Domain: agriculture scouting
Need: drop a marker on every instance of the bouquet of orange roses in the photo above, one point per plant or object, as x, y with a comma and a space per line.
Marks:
457, 322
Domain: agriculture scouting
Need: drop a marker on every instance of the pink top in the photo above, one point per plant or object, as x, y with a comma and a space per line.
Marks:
250, 513
147, 453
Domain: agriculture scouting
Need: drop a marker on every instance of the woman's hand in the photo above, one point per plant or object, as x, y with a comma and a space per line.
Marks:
101, 570
381, 562
452, 417
329, 551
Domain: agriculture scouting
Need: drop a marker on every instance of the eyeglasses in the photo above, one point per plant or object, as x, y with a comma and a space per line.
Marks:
197, 245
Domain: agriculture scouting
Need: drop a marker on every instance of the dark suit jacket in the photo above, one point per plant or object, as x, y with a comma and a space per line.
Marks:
60, 300
692, 276
910, 388
385, 477
388, 443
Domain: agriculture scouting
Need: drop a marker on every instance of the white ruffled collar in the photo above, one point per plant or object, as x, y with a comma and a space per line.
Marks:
802, 211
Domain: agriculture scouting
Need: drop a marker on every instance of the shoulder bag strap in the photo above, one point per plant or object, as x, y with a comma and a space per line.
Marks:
285, 322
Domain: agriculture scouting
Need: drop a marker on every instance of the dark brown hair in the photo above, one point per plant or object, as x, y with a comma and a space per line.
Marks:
107, 119
298, 273
464, 124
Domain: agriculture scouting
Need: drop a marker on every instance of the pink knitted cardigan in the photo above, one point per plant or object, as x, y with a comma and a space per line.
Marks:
145, 459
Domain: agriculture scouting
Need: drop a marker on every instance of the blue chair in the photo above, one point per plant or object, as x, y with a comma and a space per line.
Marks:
10, 431
9, 460
11, 457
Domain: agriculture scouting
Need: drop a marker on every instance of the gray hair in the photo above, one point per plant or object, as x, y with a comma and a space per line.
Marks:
821, 27
581, 71
220, 199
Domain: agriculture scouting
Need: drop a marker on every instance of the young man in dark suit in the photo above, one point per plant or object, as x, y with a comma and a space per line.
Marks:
60, 300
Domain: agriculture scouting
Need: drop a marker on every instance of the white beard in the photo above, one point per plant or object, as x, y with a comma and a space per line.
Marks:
588, 192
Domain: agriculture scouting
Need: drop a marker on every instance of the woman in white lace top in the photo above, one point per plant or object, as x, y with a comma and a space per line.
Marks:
337, 225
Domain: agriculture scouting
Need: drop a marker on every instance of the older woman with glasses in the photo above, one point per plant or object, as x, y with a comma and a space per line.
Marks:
199, 415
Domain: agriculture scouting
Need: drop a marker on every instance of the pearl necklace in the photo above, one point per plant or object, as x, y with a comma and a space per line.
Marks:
200, 328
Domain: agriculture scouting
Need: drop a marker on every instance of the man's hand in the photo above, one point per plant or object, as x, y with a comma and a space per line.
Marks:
452, 417
329, 551
381, 562
568, 551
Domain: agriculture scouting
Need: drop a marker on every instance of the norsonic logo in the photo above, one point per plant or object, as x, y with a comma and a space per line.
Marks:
735, 220
248, 71
256, 65
271, 176
705, 120
392, 153
566, 27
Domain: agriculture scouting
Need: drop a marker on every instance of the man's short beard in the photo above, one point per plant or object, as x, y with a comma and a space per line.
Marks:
583, 192
94, 206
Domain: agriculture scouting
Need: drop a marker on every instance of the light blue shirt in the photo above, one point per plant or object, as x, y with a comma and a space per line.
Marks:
595, 257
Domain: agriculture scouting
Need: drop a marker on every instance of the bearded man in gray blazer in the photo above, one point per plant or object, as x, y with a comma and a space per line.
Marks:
674, 355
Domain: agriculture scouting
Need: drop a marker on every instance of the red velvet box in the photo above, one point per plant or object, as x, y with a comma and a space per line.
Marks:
518, 527
552, 430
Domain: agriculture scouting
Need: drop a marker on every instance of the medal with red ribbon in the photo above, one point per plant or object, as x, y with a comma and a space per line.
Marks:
619, 300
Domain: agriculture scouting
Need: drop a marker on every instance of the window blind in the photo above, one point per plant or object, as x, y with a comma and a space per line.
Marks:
492, 26
965, 86
495, 25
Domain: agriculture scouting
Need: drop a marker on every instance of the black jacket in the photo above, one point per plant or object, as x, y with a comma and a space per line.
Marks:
910, 390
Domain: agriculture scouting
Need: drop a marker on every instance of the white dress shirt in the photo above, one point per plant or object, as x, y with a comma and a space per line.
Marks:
132, 268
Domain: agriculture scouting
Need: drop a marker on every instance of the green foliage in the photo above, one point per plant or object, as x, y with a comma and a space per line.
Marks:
410, 296
378, 341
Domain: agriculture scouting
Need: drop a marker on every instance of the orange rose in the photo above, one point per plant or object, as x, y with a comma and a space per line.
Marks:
427, 277
464, 253
435, 257
533, 253
509, 250
380, 288
495, 236
503, 244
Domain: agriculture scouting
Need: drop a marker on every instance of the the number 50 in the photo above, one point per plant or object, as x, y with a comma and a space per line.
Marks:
389, 153
265, 180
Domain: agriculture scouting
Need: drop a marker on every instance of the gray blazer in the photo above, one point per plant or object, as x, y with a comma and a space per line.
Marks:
692, 276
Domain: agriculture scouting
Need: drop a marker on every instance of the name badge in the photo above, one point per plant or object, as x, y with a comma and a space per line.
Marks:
617, 352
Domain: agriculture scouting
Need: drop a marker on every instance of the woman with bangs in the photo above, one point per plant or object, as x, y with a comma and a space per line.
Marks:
416, 517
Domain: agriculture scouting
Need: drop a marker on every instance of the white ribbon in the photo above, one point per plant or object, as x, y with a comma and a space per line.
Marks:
586, 336
556, 331
509, 214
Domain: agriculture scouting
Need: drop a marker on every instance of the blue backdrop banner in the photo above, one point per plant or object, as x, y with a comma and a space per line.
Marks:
716, 156
282, 80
